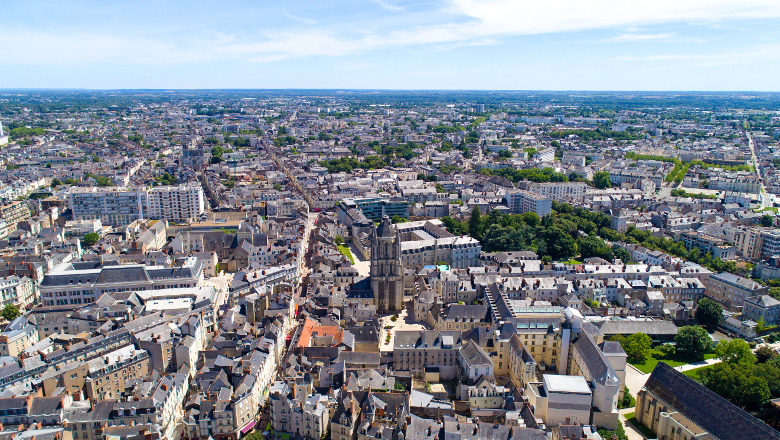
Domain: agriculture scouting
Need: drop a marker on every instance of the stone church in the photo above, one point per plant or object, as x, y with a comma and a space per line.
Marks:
387, 272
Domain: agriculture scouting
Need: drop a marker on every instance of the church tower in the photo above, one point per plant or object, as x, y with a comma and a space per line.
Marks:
387, 274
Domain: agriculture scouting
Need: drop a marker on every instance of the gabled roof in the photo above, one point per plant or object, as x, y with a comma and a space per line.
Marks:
714, 414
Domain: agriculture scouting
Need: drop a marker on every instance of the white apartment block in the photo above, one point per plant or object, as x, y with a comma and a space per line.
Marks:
121, 206
520, 201
17, 291
176, 203
559, 191
112, 206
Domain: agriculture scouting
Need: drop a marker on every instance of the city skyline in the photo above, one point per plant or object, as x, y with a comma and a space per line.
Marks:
459, 44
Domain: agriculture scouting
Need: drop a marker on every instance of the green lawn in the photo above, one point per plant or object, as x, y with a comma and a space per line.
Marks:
639, 426
655, 357
571, 261
347, 253
695, 374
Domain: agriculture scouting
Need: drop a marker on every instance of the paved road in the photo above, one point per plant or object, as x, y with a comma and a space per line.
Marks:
222, 283
764, 197
363, 266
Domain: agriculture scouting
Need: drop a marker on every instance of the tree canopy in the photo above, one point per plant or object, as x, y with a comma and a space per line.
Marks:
693, 341
709, 313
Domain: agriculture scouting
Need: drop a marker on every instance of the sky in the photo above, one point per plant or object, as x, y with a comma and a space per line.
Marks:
679, 45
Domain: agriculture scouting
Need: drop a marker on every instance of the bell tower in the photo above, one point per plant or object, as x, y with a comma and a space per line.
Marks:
387, 275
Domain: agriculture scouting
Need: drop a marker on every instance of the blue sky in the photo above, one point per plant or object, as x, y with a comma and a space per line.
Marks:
392, 44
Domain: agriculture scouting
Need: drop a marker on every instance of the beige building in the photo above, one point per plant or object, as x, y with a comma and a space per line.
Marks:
13, 213
677, 407
732, 290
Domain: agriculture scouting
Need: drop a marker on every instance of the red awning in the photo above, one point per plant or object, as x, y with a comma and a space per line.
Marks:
248, 427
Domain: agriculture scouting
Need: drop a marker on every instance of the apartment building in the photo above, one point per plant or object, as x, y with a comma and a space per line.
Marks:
521, 201
427, 243
176, 203
732, 290
18, 291
559, 191
762, 307
113, 206
122, 206
741, 184
13, 213
19, 335
707, 244
424, 351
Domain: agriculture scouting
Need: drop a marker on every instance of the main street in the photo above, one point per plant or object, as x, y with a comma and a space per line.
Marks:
764, 197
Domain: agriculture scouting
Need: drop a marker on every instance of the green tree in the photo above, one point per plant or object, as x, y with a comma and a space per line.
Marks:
767, 221
55, 182
10, 312
764, 354
622, 254
601, 180
637, 346
753, 392
709, 313
91, 239
592, 246
557, 244
339, 240
277, 186
531, 219
736, 351
693, 341
475, 225
398, 219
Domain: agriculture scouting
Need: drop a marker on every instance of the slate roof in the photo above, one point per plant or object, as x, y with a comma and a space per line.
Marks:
627, 327
599, 367
709, 411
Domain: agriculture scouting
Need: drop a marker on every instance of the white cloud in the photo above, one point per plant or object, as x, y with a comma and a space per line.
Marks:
301, 19
387, 6
640, 37
459, 22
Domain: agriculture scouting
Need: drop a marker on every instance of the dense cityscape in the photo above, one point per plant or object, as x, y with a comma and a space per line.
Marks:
376, 264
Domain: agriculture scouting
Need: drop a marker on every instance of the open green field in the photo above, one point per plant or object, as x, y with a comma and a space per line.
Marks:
347, 253
695, 374
673, 361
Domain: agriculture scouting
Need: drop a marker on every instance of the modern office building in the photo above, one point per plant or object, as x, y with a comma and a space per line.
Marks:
374, 207
83, 282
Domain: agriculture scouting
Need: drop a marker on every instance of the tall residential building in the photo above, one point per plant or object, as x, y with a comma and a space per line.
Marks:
387, 272
520, 201
121, 206
13, 213
3, 136
559, 191
176, 203
113, 206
